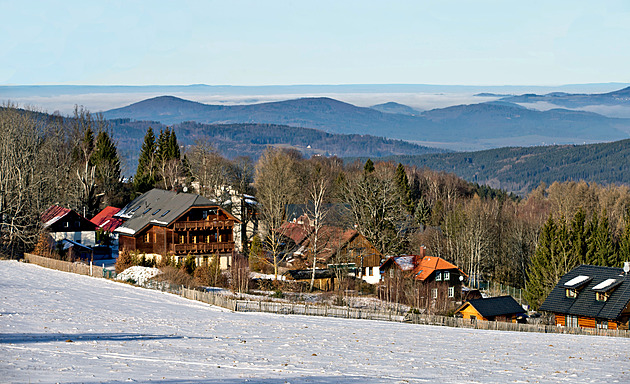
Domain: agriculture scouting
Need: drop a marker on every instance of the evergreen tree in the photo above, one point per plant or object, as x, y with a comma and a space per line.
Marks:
107, 165
605, 254
369, 167
540, 277
591, 243
402, 184
256, 254
145, 178
624, 243
579, 239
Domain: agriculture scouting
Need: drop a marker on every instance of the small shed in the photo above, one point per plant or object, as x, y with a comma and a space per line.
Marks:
324, 278
502, 308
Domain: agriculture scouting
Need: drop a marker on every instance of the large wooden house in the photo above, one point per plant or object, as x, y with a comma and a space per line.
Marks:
591, 296
423, 281
178, 224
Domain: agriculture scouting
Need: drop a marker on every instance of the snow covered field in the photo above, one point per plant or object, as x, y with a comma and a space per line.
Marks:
60, 327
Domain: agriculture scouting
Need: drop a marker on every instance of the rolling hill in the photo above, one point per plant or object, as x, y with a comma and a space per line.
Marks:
484, 125
519, 169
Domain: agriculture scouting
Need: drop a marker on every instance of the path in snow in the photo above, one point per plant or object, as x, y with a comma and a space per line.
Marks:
61, 327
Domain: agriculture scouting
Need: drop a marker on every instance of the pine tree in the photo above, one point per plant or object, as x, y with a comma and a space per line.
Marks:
402, 184
591, 240
256, 254
547, 265
107, 165
369, 167
605, 253
579, 239
145, 178
624, 242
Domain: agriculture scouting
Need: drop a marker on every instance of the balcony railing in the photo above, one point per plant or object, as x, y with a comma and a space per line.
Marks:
202, 224
202, 248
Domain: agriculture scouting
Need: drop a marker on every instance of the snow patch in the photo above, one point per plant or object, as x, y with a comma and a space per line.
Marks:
138, 274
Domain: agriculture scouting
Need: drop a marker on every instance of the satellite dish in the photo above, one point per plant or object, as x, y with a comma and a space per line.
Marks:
626, 266
185, 189
461, 278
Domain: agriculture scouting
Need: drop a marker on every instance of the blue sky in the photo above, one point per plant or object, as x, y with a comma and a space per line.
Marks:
314, 42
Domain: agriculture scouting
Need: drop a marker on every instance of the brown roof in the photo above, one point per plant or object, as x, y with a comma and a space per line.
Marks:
54, 213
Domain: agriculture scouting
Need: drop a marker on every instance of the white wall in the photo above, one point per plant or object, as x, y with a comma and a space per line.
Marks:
372, 275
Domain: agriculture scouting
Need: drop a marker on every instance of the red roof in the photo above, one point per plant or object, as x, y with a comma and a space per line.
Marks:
429, 264
298, 232
105, 219
54, 213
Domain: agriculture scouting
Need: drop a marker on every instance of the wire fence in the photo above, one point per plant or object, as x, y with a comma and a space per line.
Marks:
325, 310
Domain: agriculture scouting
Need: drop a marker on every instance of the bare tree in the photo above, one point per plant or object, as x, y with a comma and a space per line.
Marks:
276, 182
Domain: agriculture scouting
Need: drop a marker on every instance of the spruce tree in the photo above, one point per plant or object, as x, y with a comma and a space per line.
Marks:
591, 240
105, 159
402, 184
541, 277
605, 253
145, 178
369, 167
579, 237
624, 242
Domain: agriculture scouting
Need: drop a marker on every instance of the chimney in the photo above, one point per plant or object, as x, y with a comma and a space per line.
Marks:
418, 258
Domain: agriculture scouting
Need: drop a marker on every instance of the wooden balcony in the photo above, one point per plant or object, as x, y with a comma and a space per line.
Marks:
209, 248
202, 225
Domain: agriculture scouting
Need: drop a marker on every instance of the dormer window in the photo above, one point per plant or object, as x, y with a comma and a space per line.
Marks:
602, 296
446, 276
147, 210
570, 293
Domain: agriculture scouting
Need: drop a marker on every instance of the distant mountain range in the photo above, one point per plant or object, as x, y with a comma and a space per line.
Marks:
521, 169
475, 126
573, 100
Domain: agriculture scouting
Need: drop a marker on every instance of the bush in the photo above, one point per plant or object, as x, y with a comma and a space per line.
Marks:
125, 260
174, 275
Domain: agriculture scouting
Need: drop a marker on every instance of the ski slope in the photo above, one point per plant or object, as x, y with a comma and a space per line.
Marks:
61, 327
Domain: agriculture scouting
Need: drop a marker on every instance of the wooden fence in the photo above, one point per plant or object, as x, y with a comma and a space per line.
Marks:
237, 305
66, 266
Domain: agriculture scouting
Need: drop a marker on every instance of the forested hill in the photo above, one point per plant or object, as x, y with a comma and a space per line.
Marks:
233, 140
484, 125
519, 170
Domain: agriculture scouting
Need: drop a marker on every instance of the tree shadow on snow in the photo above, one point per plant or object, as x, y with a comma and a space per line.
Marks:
276, 380
26, 338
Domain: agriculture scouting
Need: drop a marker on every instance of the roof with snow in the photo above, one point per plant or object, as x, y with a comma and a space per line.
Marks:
60, 219
420, 267
53, 214
105, 219
160, 207
611, 281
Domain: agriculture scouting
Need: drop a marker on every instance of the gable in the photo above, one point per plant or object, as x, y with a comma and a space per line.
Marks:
496, 306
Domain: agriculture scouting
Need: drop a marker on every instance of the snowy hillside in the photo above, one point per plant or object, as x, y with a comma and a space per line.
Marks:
60, 327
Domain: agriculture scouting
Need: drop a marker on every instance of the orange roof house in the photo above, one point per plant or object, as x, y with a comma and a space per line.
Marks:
422, 281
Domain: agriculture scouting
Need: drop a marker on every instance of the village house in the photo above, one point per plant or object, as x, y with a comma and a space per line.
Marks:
422, 281
502, 308
178, 224
65, 224
337, 248
106, 223
591, 296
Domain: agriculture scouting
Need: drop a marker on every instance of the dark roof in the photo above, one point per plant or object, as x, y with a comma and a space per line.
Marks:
169, 206
496, 306
586, 304
305, 274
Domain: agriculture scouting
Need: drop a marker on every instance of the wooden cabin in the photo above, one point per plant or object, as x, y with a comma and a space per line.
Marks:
591, 296
502, 308
168, 223
65, 224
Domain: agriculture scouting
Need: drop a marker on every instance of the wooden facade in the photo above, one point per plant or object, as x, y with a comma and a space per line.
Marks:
199, 231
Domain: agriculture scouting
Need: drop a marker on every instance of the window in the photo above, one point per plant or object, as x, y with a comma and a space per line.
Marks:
603, 324
391, 273
165, 213
182, 239
66, 224
446, 276
572, 321
147, 210
451, 291
602, 296
570, 293
204, 214
147, 238
156, 212
434, 293
438, 276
